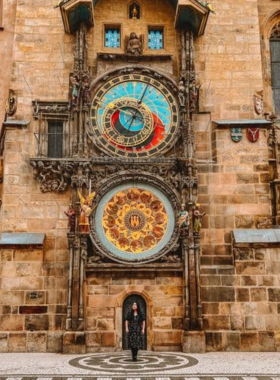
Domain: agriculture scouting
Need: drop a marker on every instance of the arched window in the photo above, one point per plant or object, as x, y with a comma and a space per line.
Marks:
275, 66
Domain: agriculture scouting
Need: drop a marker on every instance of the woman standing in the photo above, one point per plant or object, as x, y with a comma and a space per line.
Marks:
135, 328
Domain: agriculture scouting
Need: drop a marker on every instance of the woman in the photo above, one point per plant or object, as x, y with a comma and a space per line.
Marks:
135, 328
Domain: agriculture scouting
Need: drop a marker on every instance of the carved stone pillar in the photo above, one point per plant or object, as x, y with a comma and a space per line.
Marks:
71, 241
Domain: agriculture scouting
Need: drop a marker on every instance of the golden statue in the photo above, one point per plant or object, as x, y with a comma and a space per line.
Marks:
85, 211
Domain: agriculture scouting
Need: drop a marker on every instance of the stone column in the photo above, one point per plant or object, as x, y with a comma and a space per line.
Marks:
71, 240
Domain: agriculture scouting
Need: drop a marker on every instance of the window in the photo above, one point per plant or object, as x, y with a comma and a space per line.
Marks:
155, 38
112, 37
55, 139
275, 67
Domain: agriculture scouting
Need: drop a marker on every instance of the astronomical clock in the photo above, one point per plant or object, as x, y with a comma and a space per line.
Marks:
134, 122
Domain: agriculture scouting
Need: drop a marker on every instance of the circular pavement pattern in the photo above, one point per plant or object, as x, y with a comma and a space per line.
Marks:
122, 362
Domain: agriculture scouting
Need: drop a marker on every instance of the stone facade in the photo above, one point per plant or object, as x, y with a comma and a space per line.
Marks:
232, 289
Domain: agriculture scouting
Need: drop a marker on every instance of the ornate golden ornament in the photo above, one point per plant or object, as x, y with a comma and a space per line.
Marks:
134, 220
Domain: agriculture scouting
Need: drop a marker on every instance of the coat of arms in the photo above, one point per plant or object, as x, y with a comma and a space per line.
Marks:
258, 102
236, 134
253, 134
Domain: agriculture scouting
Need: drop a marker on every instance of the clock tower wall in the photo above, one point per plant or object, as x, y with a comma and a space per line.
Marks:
106, 294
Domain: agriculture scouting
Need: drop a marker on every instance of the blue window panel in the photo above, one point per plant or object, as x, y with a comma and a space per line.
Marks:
112, 38
155, 39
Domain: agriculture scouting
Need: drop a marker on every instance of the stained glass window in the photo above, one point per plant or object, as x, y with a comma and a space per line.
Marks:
112, 37
155, 39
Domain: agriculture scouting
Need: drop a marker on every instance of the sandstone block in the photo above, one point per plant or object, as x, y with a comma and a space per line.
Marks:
249, 341
3, 342
248, 280
258, 294
28, 255
162, 323
254, 322
36, 342
243, 253
193, 341
17, 342
213, 341
108, 339
231, 341
54, 342
236, 322
250, 268
11, 322
6, 255
167, 338
216, 322
267, 341
274, 295
105, 324
218, 294
93, 339
36, 322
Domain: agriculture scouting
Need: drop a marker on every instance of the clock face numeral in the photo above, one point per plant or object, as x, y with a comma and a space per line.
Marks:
136, 115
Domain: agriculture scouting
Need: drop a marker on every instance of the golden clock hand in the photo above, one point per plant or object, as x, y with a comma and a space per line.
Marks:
143, 94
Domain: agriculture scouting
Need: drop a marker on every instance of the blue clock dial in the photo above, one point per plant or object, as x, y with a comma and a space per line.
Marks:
134, 115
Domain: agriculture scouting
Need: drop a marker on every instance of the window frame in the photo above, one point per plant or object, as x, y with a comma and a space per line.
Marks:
113, 27
153, 28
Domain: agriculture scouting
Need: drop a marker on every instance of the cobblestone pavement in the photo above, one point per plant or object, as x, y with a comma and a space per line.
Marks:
150, 365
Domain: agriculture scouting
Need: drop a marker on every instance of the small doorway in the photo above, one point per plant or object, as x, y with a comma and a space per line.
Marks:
126, 308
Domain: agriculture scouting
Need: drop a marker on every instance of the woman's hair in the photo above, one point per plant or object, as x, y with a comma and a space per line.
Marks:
139, 312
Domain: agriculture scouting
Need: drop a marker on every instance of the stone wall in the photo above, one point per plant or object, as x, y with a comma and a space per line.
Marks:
163, 293
6, 51
32, 300
241, 303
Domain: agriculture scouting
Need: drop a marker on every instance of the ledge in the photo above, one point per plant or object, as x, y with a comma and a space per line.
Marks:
256, 237
22, 238
11, 123
133, 58
243, 123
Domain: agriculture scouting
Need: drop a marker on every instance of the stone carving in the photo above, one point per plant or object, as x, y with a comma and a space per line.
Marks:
134, 44
85, 211
11, 104
197, 216
52, 175
71, 213
258, 102
45, 108
183, 220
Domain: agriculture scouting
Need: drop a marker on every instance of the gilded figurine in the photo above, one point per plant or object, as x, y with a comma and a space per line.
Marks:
85, 211
183, 219
197, 219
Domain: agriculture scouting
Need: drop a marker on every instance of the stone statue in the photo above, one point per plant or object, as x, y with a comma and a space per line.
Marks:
194, 94
134, 45
74, 90
71, 213
197, 219
183, 219
182, 93
85, 211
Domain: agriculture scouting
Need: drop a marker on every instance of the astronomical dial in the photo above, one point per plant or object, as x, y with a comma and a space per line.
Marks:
134, 221
135, 116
